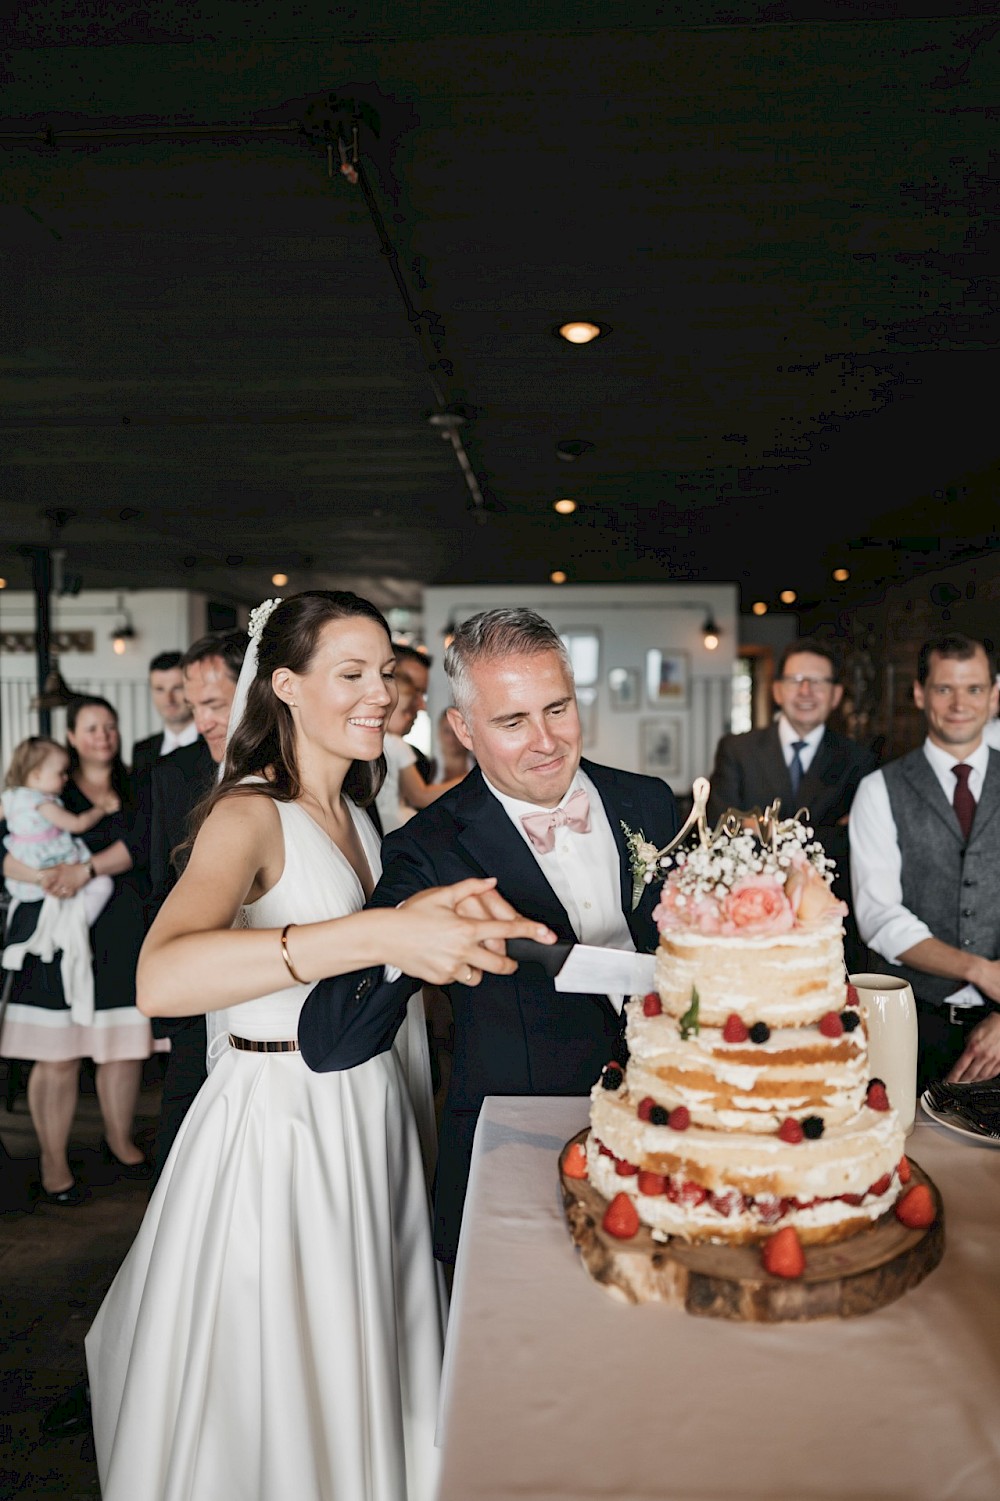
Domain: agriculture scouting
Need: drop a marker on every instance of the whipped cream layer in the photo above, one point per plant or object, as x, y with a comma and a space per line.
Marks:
788, 980
746, 1086
848, 1158
826, 1221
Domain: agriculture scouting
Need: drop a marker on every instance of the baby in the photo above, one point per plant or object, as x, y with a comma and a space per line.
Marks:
40, 832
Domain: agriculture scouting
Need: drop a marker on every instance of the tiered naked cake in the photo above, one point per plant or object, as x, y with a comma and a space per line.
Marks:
746, 1107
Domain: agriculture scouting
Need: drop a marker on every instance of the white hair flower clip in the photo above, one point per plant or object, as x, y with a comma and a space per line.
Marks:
259, 618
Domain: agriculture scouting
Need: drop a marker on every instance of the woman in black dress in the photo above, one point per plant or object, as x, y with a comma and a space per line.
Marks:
38, 1024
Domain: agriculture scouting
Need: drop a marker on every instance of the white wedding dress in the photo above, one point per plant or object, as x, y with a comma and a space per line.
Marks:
275, 1332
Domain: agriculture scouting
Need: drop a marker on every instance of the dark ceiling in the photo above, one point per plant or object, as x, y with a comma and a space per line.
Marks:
789, 218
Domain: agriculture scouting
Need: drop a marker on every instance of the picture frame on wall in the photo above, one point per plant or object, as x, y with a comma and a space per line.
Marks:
667, 678
623, 687
662, 743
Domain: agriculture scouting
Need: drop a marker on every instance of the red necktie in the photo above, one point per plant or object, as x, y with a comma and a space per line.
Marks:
963, 802
541, 827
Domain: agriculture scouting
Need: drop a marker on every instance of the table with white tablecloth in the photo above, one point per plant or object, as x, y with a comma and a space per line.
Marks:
554, 1391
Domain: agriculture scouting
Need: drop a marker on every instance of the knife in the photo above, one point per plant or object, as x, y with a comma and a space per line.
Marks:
582, 968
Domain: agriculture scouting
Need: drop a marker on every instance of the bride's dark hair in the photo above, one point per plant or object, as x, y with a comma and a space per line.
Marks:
263, 744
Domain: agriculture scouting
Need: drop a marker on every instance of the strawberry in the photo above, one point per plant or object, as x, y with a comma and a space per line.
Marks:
881, 1185
782, 1254
852, 997
904, 1170
680, 1118
735, 1029
831, 1025
621, 1218
604, 1151
916, 1208
644, 1107
791, 1131
652, 1183
853, 1199
692, 1194
651, 1004
575, 1161
625, 1169
876, 1098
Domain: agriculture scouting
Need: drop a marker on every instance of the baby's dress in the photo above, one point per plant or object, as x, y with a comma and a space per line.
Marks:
34, 841
275, 1332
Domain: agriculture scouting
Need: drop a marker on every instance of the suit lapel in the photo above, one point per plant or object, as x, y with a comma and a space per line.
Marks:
775, 772
825, 771
487, 834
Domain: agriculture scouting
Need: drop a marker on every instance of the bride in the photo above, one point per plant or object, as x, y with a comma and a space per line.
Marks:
275, 1330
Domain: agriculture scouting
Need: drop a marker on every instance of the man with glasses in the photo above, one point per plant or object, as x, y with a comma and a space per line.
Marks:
925, 842
799, 759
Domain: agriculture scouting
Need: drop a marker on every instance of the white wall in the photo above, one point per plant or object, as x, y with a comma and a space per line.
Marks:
165, 620
630, 620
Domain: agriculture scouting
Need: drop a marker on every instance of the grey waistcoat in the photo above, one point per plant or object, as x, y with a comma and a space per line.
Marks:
953, 887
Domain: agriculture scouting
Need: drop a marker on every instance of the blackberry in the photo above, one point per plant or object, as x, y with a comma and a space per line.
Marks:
760, 1032
658, 1116
612, 1077
851, 1019
812, 1127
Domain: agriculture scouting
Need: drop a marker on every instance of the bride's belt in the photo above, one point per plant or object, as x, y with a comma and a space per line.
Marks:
252, 1045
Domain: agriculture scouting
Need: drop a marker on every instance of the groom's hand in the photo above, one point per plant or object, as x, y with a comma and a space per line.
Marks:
488, 904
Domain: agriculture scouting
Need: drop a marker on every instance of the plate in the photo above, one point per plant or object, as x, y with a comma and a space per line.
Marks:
952, 1125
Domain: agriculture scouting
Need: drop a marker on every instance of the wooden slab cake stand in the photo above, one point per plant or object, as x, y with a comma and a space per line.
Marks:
854, 1276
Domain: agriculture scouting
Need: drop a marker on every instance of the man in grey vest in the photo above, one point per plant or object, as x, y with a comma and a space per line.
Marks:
925, 865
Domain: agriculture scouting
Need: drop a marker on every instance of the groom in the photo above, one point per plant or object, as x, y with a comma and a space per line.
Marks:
550, 828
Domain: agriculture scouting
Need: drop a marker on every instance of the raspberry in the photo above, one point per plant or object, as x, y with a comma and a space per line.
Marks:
760, 1032
850, 1019
658, 1116
621, 1218
574, 1163
904, 1170
881, 1184
831, 1025
852, 997
644, 1107
625, 1169
916, 1208
612, 1076
791, 1131
651, 1004
782, 1254
735, 1029
812, 1127
877, 1099
679, 1119
652, 1183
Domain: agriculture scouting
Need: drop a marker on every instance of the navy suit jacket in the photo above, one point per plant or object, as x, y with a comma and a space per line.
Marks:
145, 754
514, 1034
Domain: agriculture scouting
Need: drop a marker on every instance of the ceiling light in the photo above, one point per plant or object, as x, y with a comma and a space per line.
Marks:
279, 580
710, 633
124, 633
3, 583
565, 507
557, 576
580, 331
841, 575
788, 596
759, 607
55, 694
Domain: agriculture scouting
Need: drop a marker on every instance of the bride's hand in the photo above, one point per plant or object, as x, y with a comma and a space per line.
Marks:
455, 933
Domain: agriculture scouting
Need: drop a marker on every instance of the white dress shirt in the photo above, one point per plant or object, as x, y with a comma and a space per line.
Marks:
876, 863
788, 736
173, 741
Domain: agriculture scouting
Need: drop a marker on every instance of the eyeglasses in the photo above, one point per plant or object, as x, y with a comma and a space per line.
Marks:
802, 680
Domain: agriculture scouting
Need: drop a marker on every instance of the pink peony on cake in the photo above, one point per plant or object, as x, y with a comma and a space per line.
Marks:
746, 1105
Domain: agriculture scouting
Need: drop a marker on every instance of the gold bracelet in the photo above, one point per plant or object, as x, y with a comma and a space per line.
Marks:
285, 954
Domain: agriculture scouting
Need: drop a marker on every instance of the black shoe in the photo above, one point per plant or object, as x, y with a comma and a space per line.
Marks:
71, 1414
66, 1198
139, 1171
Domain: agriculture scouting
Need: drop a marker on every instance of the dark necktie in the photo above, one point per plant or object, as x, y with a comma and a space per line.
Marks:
963, 803
795, 765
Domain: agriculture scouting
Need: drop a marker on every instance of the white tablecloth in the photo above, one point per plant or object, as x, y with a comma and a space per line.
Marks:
555, 1392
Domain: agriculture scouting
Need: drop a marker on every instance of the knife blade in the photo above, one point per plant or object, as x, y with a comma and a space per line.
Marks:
583, 968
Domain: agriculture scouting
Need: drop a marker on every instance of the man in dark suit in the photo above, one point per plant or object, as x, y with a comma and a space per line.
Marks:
567, 866
799, 759
166, 687
176, 784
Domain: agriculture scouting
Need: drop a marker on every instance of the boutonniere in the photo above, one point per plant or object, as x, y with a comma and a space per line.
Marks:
642, 859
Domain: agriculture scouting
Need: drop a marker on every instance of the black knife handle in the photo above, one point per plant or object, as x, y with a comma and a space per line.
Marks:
551, 956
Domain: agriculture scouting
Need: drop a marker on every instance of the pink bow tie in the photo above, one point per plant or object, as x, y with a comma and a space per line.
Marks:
541, 827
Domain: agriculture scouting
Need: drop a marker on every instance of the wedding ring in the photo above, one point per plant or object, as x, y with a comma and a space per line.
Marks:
469, 974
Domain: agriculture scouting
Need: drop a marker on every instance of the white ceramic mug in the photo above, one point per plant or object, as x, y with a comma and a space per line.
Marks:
890, 1015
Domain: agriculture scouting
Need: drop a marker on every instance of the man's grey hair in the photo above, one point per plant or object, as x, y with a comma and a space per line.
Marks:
495, 634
